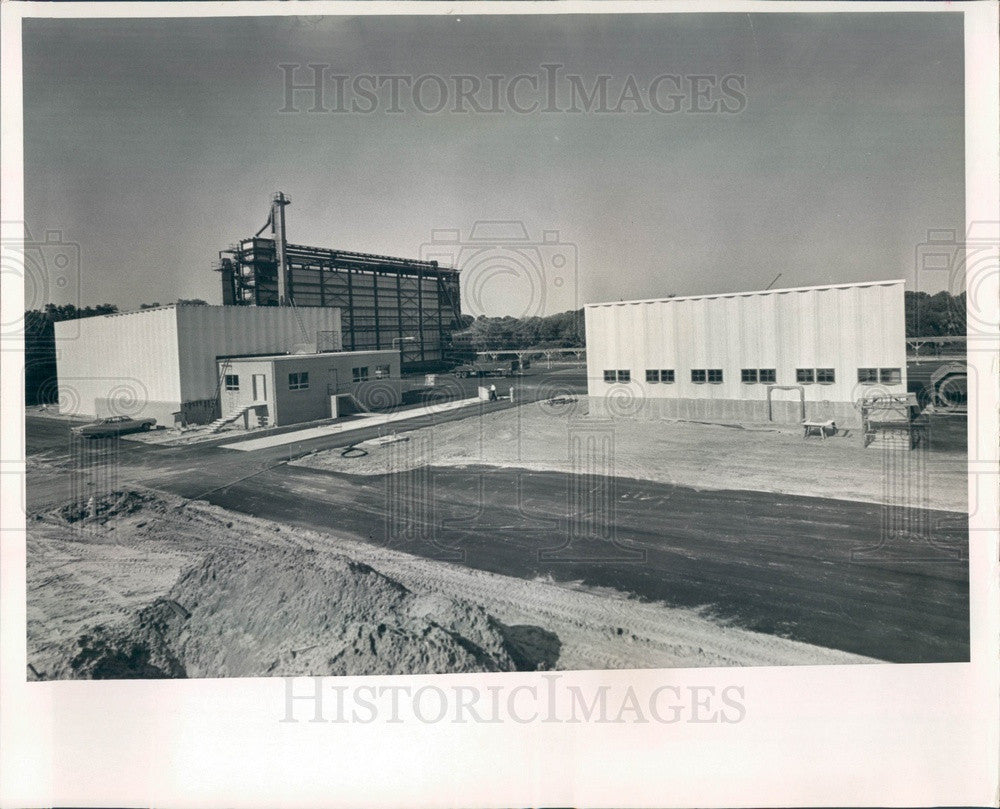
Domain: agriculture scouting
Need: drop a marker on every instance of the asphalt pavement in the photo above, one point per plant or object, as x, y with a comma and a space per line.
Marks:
887, 582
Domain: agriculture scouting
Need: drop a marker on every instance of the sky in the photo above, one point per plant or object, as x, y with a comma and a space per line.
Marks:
152, 144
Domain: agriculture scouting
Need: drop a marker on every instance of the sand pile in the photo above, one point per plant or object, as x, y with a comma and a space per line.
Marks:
289, 611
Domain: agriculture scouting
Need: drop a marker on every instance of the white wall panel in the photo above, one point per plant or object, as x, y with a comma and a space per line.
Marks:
168, 354
844, 327
130, 358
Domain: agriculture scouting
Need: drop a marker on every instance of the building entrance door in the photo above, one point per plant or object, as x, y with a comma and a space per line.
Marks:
259, 388
331, 392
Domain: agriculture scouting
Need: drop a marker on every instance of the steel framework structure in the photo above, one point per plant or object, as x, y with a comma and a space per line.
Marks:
382, 299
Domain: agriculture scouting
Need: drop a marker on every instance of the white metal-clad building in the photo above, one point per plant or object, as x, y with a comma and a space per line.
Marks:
776, 355
161, 362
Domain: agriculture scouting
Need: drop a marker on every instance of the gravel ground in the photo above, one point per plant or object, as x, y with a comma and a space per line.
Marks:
768, 458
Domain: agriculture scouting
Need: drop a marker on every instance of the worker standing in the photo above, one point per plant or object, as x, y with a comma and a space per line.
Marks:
493, 393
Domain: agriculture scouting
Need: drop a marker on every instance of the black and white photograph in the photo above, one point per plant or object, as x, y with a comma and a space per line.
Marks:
546, 345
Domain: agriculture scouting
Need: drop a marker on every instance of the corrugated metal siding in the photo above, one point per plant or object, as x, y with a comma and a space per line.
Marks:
208, 332
168, 355
130, 359
844, 327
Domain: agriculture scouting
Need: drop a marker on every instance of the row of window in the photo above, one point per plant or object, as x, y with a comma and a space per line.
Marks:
660, 376
702, 375
300, 381
360, 374
806, 376
887, 376
766, 376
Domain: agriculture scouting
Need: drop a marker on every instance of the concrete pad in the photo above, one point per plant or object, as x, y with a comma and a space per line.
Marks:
355, 424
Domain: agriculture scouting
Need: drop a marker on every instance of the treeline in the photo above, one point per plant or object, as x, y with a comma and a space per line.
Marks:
938, 315
564, 330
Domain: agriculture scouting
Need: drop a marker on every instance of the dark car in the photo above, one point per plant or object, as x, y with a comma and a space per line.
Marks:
115, 425
480, 370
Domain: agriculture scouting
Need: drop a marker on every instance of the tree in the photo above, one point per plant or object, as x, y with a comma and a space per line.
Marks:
938, 315
563, 330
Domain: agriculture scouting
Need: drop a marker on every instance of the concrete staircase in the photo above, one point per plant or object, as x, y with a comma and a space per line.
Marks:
348, 404
218, 424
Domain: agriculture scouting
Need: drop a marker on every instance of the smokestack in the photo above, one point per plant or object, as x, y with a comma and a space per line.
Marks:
228, 282
278, 229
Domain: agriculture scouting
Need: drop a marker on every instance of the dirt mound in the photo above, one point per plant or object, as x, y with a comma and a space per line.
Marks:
290, 612
139, 650
105, 507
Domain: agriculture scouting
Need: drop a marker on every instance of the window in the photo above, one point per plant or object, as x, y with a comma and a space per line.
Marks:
609, 376
890, 376
868, 376
624, 376
768, 376
825, 376
381, 371
360, 374
805, 376
299, 381
698, 377
652, 376
232, 382
748, 375
715, 376
667, 375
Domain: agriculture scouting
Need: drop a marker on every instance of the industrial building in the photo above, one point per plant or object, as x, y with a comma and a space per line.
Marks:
267, 391
386, 303
303, 333
163, 362
783, 355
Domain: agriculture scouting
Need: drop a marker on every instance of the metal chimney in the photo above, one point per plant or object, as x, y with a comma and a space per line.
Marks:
280, 243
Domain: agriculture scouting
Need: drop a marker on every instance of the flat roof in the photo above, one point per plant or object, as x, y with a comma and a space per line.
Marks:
258, 357
754, 292
202, 306
152, 309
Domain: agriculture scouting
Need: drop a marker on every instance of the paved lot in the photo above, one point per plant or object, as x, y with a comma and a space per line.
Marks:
819, 571
886, 582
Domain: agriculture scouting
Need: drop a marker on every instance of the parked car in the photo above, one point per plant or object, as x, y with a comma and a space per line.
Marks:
115, 425
481, 370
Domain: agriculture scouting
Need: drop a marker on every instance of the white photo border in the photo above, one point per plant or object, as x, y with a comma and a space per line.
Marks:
892, 735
